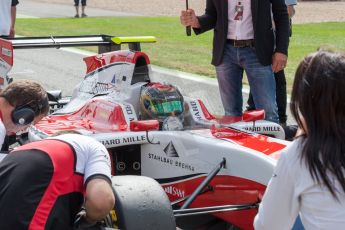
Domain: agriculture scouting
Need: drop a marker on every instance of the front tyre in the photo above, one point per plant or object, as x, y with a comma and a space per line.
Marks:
141, 203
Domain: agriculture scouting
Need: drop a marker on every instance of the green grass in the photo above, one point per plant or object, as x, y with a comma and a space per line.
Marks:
173, 48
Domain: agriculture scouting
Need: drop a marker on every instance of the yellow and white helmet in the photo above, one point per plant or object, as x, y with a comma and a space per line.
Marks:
159, 101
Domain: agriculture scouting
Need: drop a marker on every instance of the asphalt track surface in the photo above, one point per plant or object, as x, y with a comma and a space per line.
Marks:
64, 68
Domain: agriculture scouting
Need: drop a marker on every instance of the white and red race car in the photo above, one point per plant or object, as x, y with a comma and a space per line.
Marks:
214, 170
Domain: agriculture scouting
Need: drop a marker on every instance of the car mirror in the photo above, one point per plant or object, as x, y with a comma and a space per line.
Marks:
145, 125
253, 115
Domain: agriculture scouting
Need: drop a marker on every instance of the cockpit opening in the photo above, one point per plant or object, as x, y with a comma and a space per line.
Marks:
141, 71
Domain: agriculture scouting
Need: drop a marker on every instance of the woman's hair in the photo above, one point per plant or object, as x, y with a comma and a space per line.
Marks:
318, 105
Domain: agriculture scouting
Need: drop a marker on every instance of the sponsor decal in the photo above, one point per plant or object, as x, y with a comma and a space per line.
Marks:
114, 79
128, 109
136, 165
183, 165
263, 129
134, 139
195, 110
6, 52
128, 112
111, 142
271, 128
3, 64
169, 161
161, 159
124, 140
121, 166
170, 150
253, 129
174, 191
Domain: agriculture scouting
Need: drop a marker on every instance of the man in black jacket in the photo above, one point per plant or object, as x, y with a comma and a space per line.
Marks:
244, 41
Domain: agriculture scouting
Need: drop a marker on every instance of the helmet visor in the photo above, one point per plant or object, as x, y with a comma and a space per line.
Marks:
168, 107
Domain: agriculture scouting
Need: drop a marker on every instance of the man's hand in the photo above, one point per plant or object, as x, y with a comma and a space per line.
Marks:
81, 221
279, 61
188, 18
12, 33
291, 10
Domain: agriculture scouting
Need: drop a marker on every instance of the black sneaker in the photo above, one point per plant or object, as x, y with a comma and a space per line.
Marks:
76, 16
83, 15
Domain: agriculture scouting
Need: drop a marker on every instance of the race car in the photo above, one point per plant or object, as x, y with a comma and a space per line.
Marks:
214, 169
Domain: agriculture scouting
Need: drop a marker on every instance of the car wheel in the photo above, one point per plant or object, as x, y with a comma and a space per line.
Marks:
141, 203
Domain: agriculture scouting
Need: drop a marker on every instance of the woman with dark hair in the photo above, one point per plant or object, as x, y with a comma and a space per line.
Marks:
309, 178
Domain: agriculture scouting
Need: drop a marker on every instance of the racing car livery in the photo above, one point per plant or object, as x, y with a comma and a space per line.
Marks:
214, 169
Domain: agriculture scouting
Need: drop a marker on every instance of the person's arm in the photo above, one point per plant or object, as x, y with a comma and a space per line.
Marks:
281, 20
188, 18
99, 199
201, 23
13, 18
209, 19
291, 10
279, 206
13, 21
291, 7
99, 195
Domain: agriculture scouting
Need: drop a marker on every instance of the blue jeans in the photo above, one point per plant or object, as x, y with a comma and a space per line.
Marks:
298, 224
260, 78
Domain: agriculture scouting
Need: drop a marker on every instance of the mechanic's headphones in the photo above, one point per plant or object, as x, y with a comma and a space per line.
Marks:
25, 114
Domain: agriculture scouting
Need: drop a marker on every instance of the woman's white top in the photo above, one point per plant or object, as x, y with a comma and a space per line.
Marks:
292, 191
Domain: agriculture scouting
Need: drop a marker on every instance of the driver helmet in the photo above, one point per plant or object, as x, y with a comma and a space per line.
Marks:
160, 101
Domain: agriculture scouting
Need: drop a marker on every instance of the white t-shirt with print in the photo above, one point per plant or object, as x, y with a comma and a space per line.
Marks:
92, 157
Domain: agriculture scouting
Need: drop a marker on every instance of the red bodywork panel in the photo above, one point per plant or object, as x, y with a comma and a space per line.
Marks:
227, 190
98, 115
6, 58
100, 60
147, 125
6, 49
258, 142
207, 114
